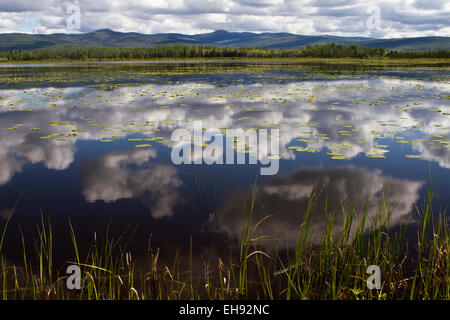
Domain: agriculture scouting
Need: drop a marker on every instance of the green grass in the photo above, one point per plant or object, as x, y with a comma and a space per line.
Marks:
334, 269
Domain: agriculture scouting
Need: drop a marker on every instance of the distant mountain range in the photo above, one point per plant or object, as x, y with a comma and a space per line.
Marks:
109, 38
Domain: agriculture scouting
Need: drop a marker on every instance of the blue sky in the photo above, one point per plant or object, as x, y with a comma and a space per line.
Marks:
383, 19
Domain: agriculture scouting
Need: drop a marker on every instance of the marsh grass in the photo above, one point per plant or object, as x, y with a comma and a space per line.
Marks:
333, 269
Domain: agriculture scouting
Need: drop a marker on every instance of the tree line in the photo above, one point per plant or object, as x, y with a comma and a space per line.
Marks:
178, 51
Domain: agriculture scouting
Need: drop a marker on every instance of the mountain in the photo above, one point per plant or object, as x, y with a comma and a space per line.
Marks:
109, 38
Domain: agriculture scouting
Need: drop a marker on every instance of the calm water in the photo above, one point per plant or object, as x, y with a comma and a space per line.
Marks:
65, 144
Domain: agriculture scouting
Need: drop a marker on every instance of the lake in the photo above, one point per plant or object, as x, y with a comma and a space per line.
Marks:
92, 142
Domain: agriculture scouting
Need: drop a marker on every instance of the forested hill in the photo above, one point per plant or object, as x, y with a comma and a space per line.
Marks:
111, 39
187, 52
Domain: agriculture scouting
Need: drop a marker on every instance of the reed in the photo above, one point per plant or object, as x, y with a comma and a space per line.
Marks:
333, 269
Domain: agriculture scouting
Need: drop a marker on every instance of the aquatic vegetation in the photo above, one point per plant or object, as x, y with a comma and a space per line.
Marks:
53, 136
143, 145
60, 123
379, 151
303, 149
339, 157
375, 156
413, 156
342, 146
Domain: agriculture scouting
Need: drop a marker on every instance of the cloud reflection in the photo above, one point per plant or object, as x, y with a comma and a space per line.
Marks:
131, 174
350, 112
285, 199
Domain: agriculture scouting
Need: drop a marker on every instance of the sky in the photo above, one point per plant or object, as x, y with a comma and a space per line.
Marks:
380, 18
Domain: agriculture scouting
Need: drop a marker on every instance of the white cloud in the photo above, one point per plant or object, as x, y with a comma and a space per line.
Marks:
344, 17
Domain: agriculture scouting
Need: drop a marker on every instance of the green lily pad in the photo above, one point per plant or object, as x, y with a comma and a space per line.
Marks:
143, 145
339, 157
375, 156
413, 156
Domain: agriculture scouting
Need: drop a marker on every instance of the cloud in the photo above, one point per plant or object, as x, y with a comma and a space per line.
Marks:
260, 3
398, 18
430, 4
8, 22
24, 5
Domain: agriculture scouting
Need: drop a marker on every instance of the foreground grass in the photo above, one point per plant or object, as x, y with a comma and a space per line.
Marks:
334, 269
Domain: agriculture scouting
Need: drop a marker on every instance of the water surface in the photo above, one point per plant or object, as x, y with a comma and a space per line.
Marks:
68, 137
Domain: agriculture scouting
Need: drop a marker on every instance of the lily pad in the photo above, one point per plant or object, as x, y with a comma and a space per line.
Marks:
339, 157
143, 145
413, 156
375, 156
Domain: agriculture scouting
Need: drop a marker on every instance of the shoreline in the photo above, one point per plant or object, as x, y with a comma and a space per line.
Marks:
366, 61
